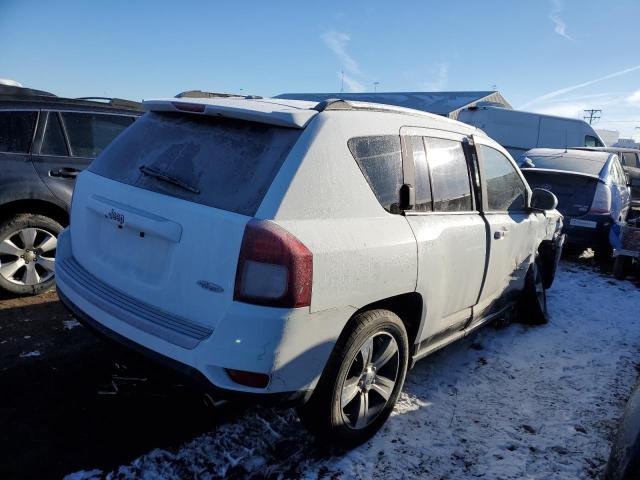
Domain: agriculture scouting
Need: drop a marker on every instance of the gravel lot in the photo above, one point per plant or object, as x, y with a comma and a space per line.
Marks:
514, 402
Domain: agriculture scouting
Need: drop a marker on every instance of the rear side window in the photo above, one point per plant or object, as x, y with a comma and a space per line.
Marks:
90, 133
617, 173
16, 131
423, 183
630, 160
53, 142
223, 163
449, 175
506, 192
380, 160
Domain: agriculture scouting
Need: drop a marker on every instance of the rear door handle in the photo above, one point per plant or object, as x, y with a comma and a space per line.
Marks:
64, 172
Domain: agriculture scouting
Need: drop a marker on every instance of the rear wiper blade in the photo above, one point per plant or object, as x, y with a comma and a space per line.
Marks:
152, 172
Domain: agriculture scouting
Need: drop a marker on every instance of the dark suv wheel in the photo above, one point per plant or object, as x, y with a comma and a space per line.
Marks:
27, 253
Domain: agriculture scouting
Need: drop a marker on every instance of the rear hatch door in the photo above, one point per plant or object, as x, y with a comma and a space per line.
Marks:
160, 215
575, 191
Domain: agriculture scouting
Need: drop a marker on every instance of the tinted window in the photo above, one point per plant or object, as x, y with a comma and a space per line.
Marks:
630, 159
423, 184
449, 175
223, 163
90, 133
591, 141
506, 191
16, 131
380, 160
53, 142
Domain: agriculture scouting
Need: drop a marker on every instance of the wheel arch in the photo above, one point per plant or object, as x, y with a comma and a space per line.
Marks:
36, 207
546, 254
407, 306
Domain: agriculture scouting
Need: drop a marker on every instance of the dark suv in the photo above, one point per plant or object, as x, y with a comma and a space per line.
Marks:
45, 141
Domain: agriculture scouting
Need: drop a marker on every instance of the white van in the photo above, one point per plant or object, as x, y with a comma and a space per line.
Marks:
519, 131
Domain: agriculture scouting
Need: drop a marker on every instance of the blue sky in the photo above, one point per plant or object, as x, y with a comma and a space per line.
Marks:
555, 56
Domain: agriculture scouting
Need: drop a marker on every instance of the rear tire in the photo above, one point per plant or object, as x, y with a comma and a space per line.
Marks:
361, 382
533, 305
27, 253
621, 266
602, 254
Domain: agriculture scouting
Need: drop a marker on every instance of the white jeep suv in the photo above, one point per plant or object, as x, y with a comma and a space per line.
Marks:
303, 252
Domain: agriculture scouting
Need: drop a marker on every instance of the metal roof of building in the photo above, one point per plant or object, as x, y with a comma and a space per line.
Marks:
442, 103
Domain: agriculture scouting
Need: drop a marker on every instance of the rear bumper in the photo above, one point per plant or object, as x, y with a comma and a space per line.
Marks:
587, 230
192, 375
292, 346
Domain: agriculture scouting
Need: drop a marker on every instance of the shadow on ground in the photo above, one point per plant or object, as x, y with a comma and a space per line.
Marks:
63, 391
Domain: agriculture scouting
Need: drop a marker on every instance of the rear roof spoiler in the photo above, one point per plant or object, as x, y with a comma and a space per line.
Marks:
268, 111
201, 94
567, 172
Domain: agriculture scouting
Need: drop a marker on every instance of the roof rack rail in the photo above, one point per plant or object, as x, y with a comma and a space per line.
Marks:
333, 104
23, 91
114, 102
202, 94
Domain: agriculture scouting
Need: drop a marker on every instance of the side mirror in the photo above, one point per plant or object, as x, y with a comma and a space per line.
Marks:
542, 199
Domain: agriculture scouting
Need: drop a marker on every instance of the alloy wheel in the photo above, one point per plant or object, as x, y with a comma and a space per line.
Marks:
370, 381
27, 256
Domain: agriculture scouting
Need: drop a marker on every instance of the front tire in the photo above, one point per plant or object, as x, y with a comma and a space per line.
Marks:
361, 382
621, 265
27, 253
602, 254
533, 306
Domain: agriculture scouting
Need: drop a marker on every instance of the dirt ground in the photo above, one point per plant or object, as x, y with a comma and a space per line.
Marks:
62, 390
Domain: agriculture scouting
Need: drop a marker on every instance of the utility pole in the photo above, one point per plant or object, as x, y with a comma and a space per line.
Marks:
592, 115
375, 86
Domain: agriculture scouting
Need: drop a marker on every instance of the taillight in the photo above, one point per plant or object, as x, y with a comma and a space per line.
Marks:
189, 107
601, 200
274, 267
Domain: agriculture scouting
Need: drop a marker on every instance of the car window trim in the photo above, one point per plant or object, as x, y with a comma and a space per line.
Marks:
409, 163
64, 136
35, 129
408, 131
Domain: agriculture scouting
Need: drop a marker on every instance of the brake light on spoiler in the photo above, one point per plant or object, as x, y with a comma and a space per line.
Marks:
274, 267
189, 107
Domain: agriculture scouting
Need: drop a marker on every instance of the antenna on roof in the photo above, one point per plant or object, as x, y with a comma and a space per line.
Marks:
566, 141
342, 81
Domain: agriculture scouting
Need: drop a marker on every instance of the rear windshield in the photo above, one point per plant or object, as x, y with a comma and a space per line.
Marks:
222, 163
565, 163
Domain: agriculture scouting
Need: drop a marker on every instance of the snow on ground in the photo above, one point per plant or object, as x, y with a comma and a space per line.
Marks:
70, 324
511, 403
